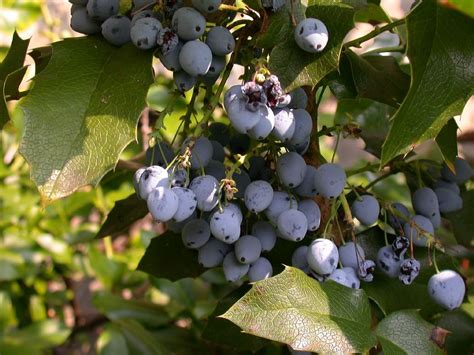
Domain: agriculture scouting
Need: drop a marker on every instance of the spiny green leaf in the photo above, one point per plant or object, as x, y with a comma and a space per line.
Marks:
372, 14
440, 47
378, 78
122, 216
15, 57
296, 67
461, 326
447, 141
11, 74
405, 332
222, 332
82, 112
167, 257
295, 309
280, 23
391, 295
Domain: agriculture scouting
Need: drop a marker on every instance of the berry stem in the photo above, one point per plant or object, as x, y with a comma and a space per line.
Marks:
347, 210
434, 260
376, 31
190, 110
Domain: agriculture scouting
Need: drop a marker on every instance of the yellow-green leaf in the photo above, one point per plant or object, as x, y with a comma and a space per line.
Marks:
82, 112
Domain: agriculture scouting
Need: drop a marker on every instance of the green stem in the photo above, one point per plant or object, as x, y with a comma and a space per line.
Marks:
337, 145
368, 167
376, 181
396, 49
434, 260
190, 110
347, 209
377, 30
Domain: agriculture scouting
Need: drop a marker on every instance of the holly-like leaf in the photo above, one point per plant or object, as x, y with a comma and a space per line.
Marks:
372, 117
15, 57
166, 257
222, 332
295, 309
82, 112
440, 47
372, 14
295, 67
41, 56
461, 326
11, 74
279, 25
462, 221
122, 216
391, 295
447, 141
405, 332
379, 78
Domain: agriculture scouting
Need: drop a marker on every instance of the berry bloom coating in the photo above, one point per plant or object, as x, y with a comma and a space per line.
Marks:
322, 256
330, 180
234, 270
196, 234
195, 58
311, 35
366, 209
265, 233
188, 23
260, 270
248, 249
220, 40
447, 289
144, 32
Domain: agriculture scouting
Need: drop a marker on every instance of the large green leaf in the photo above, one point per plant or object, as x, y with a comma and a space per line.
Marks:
462, 221
295, 309
15, 57
447, 141
379, 78
82, 112
461, 326
11, 73
405, 332
440, 47
371, 116
122, 216
391, 295
279, 26
222, 332
296, 67
167, 257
